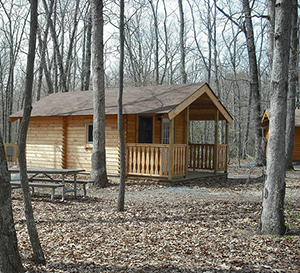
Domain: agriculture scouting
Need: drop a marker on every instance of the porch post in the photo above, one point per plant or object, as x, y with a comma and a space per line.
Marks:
216, 156
226, 142
187, 129
171, 150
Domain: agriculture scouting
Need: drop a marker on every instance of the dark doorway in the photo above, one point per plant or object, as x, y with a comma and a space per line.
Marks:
145, 129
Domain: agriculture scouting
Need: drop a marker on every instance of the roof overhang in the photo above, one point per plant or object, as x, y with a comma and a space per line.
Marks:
168, 99
202, 104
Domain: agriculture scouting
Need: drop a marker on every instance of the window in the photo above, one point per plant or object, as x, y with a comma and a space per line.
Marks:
145, 132
89, 133
165, 131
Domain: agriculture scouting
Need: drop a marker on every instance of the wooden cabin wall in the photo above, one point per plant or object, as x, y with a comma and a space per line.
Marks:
79, 152
46, 136
44, 142
296, 151
130, 126
179, 128
112, 145
131, 129
60, 142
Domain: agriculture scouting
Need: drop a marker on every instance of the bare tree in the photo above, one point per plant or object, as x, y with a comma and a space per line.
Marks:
98, 172
86, 56
10, 260
293, 83
43, 65
14, 30
272, 216
38, 254
121, 196
254, 81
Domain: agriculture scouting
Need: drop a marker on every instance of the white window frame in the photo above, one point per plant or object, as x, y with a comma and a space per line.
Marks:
165, 131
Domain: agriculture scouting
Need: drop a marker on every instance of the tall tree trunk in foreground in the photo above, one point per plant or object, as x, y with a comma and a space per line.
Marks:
254, 82
272, 216
38, 255
10, 261
121, 196
98, 172
293, 83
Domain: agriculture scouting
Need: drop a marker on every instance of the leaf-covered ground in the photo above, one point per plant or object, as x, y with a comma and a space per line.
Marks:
209, 225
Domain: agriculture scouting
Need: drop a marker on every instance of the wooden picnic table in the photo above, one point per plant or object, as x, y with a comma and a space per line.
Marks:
33, 178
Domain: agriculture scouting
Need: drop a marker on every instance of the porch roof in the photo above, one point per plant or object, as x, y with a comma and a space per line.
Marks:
168, 99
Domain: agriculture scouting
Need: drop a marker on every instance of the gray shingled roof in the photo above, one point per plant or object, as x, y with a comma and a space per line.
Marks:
136, 100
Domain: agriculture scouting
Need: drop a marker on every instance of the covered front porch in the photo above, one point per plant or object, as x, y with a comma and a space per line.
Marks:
165, 150
153, 160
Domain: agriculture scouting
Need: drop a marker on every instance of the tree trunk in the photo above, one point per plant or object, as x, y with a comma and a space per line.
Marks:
293, 83
121, 196
272, 216
182, 44
98, 172
38, 254
254, 82
87, 63
154, 12
43, 64
57, 51
270, 24
10, 261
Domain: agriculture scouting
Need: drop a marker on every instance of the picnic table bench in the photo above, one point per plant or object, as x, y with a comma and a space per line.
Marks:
78, 181
53, 186
50, 180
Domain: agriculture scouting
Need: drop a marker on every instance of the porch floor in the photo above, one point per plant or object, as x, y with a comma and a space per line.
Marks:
192, 175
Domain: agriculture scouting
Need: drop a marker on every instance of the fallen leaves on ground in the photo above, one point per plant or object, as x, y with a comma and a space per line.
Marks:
207, 225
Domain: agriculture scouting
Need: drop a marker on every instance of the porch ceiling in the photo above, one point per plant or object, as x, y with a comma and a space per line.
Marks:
204, 109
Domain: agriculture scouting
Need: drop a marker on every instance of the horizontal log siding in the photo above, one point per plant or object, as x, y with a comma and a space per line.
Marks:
44, 142
79, 153
132, 129
179, 129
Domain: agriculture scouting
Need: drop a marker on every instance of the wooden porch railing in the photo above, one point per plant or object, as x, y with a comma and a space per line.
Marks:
201, 156
153, 159
222, 157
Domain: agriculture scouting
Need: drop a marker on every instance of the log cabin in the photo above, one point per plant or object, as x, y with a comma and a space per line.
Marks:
156, 129
265, 125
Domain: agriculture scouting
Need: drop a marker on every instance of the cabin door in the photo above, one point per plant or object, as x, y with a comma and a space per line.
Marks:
145, 134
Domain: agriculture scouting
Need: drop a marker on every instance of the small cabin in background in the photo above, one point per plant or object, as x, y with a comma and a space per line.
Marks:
156, 129
265, 125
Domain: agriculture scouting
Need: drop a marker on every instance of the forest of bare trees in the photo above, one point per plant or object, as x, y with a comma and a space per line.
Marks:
166, 42
246, 51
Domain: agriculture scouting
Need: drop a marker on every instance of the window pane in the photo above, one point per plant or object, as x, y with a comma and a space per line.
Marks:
89, 137
166, 131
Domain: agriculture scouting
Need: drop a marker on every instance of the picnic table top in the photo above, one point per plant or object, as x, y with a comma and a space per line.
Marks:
47, 170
